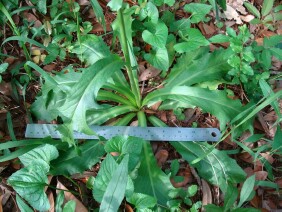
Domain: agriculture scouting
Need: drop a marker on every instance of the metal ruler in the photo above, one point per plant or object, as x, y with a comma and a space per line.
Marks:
147, 133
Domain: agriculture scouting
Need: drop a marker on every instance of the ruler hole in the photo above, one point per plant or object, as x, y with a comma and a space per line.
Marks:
213, 134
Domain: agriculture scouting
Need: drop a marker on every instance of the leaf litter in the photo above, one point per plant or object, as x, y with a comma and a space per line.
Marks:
235, 11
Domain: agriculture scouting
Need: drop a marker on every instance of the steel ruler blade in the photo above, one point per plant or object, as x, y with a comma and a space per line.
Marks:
147, 133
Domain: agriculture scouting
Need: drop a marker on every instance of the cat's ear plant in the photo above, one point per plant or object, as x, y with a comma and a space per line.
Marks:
107, 90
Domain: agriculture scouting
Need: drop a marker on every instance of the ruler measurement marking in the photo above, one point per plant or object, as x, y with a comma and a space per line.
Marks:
147, 133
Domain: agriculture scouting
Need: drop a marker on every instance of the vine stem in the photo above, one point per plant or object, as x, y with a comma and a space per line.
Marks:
133, 80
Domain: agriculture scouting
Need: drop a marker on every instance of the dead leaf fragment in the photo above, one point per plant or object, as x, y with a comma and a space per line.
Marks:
187, 178
247, 18
161, 157
207, 196
52, 202
69, 196
149, 73
231, 13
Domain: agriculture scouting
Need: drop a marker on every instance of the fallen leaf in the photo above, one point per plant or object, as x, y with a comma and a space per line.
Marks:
5, 88
247, 18
231, 13
69, 196
161, 157
249, 171
149, 73
268, 157
255, 201
261, 175
187, 178
279, 182
128, 208
49, 67
238, 5
207, 196
52, 202
156, 105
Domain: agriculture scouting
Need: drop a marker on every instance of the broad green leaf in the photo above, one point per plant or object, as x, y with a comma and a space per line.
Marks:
247, 190
213, 208
248, 55
266, 59
115, 191
252, 9
158, 58
219, 38
217, 167
266, 7
151, 180
69, 206
41, 4
29, 182
199, 11
22, 205
267, 91
192, 190
126, 145
100, 116
90, 49
59, 201
150, 11
41, 155
3, 67
105, 174
230, 197
82, 96
199, 66
272, 41
169, 2
222, 3
70, 162
117, 26
183, 25
156, 34
276, 52
115, 5
277, 141
141, 201
98, 11
195, 40
214, 102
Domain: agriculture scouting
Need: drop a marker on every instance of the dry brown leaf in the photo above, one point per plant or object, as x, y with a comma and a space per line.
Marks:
187, 178
1, 208
249, 171
207, 196
231, 13
256, 201
247, 18
69, 196
261, 175
128, 208
32, 18
149, 73
83, 2
279, 182
238, 5
161, 157
268, 157
52, 202
156, 105
49, 67
5, 88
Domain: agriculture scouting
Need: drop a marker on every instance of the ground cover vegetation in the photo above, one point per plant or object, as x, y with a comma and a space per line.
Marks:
141, 63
